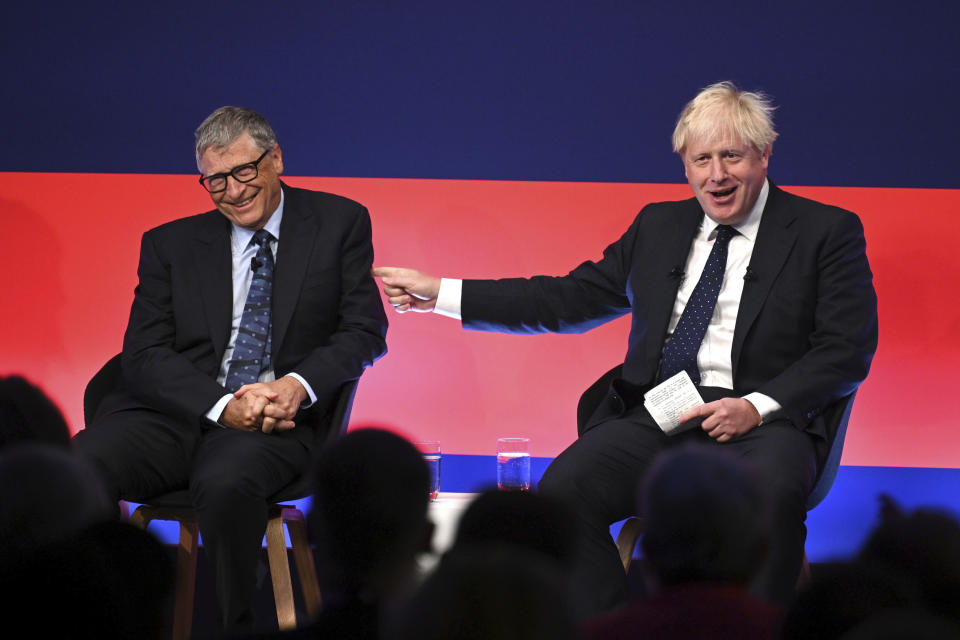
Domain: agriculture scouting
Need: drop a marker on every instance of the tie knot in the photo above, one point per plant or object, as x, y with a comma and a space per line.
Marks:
262, 237
725, 232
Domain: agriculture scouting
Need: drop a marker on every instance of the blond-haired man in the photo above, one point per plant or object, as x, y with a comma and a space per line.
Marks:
780, 323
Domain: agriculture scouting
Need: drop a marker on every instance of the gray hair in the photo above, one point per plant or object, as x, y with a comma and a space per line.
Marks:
720, 112
226, 124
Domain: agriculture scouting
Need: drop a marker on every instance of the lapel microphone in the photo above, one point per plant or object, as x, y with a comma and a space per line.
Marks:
676, 272
256, 264
750, 275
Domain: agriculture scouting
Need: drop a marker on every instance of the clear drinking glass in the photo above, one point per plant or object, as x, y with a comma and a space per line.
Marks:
513, 464
431, 454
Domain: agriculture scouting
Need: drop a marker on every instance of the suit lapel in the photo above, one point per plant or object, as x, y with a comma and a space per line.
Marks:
775, 239
297, 238
676, 247
211, 250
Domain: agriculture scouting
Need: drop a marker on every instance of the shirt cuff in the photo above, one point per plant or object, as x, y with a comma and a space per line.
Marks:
764, 404
306, 385
213, 415
448, 299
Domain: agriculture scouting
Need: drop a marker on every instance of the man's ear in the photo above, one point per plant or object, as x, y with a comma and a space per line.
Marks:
276, 156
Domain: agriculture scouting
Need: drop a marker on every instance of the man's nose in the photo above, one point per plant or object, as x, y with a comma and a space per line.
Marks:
234, 187
718, 171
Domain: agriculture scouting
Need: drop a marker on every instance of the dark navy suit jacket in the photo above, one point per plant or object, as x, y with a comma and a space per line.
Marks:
327, 317
806, 328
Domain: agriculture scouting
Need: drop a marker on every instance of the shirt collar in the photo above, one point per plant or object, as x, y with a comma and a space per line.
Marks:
242, 237
747, 227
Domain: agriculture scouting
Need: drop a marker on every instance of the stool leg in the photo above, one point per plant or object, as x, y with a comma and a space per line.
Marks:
139, 518
303, 556
627, 540
280, 573
186, 581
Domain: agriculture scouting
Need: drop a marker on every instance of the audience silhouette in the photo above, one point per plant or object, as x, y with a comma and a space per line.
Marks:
906, 573
489, 592
706, 537
68, 568
28, 415
523, 519
368, 524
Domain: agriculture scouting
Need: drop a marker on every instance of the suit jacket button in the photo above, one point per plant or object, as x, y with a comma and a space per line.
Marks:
617, 403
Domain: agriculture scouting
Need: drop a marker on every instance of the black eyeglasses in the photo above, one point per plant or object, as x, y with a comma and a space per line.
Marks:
241, 173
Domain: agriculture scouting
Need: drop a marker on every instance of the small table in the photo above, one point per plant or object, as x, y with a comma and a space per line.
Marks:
445, 514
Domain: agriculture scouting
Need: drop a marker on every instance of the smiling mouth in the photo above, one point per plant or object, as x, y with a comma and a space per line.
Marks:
244, 203
723, 193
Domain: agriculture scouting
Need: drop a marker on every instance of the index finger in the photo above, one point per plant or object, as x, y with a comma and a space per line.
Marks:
699, 411
385, 272
398, 276
258, 389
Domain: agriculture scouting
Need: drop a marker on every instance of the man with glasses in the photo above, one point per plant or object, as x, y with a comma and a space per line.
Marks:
245, 323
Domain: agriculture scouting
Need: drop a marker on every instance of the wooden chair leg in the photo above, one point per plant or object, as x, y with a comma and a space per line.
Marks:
627, 540
303, 556
138, 520
186, 580
280, 573
187, 554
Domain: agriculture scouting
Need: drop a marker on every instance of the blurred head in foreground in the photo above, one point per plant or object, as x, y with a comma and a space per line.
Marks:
369, 515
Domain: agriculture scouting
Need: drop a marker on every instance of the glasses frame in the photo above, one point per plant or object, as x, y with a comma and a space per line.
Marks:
255, 165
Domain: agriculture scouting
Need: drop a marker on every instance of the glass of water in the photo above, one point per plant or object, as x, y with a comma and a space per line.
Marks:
431, 454
513, 464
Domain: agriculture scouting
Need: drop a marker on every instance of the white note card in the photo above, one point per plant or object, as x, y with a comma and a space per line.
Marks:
669, 399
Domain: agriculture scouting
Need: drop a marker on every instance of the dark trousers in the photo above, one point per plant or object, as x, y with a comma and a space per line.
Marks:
597, 477
141, 453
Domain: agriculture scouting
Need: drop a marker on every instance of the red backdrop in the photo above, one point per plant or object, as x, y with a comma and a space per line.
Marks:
70, 254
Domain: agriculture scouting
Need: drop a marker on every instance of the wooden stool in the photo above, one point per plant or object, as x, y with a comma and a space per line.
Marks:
176, 507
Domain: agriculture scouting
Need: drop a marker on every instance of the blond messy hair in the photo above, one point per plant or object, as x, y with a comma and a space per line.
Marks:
723, 112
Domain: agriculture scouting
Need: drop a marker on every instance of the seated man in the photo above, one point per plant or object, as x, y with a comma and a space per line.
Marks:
245, 323
764, 298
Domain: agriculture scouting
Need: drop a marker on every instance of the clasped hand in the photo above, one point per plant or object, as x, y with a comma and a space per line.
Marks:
265, 406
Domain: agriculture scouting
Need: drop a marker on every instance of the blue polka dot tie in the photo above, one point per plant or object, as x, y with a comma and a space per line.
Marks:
680, 352
251, 353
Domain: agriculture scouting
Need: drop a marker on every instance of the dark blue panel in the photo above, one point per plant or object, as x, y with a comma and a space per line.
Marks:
470, 474
836, 528
841, 523
509, 90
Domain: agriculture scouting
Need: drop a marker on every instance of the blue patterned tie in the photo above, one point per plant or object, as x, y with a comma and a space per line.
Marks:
681, 350
251, 353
